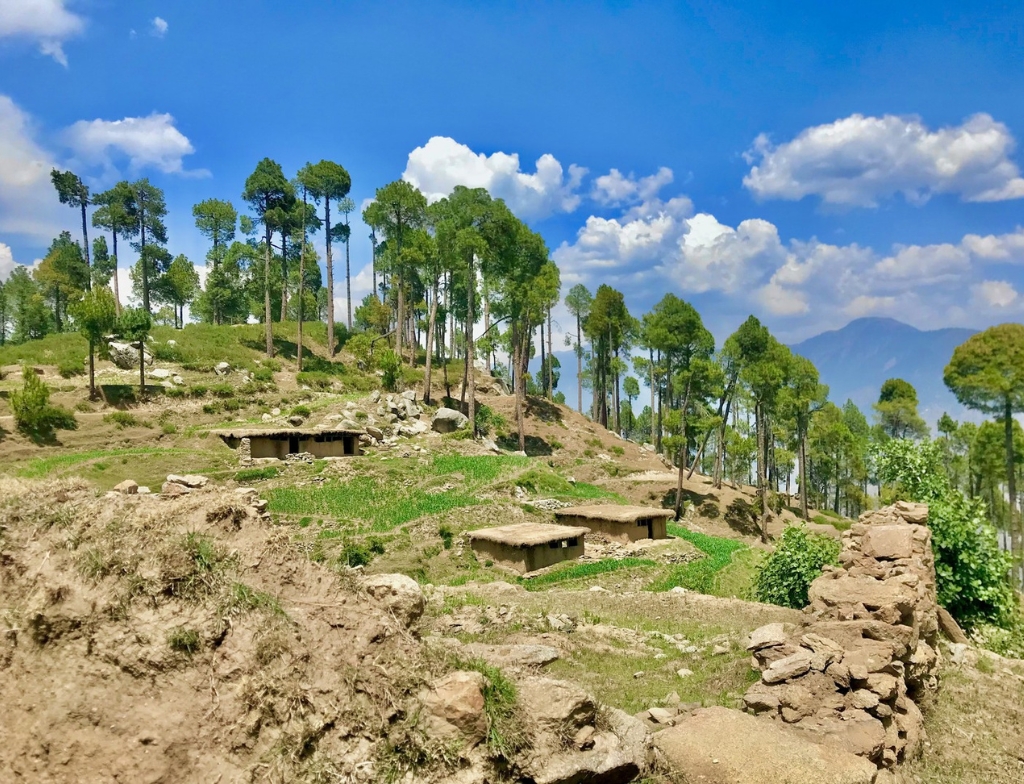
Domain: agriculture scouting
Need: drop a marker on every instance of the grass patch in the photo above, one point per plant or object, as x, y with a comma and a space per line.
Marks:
505, 734
698, 575
585, 570
243, 599
839, 523
123, 419
184, 640
44, 466
257, 474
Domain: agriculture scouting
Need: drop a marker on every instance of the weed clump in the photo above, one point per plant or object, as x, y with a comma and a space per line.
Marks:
184, 640
786, 575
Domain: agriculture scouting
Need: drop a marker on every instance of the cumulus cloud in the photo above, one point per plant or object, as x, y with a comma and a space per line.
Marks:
47, 22
28, 205
616, 188
442, 163
158, 27
151, 141
858, 161
6, 261
994, 294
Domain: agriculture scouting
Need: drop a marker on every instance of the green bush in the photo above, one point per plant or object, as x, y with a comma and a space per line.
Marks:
390, 365
315, 379
256, 474
222, 390
361, 553
122, 419
302, 411
970, 569
33, 414
488, 419
447, 536
784, 576
183, 640
70, 368
264, 375
164, 352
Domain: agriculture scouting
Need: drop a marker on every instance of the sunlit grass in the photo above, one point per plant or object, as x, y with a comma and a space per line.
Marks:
698, 575
585, 570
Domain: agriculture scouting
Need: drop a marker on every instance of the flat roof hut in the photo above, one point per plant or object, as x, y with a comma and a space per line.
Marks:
255, 443
619, 523
527, 547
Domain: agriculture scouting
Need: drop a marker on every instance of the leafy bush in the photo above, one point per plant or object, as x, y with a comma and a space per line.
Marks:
122, 419
447, 536
315, 380
302, 411
222, 390
487, 419
70, 368
361, 553
390, 365
359, 345
164, 352
264, 375
787, 573
33, 414
970, 569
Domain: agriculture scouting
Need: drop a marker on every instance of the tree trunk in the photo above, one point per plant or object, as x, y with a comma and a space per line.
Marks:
330, 279
117, 294
518, 368
1016, 532
615, 397
348, 276
543, 368
682, 454
142, 368
579, 365
551, 362
85, 239
373, 261
302, 282
92, 370
803, 474
430, 342
762, 481
267, 322
657, 444
284, 276
470, 290
145, 265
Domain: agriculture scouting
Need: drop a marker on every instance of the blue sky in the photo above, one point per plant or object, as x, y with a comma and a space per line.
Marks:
806, 162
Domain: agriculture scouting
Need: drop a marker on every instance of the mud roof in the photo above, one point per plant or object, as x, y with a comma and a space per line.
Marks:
527, 534
614, 513
284, 432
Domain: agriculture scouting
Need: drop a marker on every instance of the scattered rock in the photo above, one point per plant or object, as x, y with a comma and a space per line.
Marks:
684, 672
222, 368
127, 487
950, 627
512, 656
295, 420
173, 490
191, 481
160, 373
400, 594
454, 708
126, 356
789, 667
448, 420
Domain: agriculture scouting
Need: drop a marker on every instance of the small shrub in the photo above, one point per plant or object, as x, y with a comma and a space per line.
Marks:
212, 408
390, 365
617, 450
263, 375
197, 390
487, 419
787, 573
164, 352
709, 509
169, 428
302, 411
71, 368
554, 443
361, 553
175, 393
122, 419
183, 640
83, 406
446, 535
222, 390
33, 414
315, 380
198, 367
233, 404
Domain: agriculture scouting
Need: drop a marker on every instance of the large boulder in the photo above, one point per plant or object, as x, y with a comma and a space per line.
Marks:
399, 594
616, 755
126, 356
453, 708
722, 746
448, 420
556, 706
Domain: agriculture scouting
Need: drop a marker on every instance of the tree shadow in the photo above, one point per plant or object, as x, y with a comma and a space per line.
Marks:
313, 363
288, 349
543, 409
535, 445
742, 517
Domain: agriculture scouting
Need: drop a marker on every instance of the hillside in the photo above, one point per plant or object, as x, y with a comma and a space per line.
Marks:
854, 361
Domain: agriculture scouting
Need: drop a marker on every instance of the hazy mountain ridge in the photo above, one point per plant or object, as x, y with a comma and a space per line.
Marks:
855, 360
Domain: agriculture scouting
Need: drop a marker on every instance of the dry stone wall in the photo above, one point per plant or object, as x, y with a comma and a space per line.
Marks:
850, 674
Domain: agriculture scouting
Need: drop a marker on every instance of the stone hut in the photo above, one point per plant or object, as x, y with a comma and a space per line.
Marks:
526, 547
619, 523
261, 443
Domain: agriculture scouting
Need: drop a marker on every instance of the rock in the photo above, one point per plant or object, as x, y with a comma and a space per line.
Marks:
722, 746
663, 715
409, 395
400, 594
266, 418
126, 356
957, 650
489, 445
888, 542
127, 487
512, 655
143, 490
275, 411
684, 673
375, 396
222, 368
160, 373
766, 636
951, 628
173, 490
584, 738
295, 420
172, 342
556, 706
178, 380
375, 432
448, 420
454, 708
788, 667
615, 756
911, 512
188, 480
720, 650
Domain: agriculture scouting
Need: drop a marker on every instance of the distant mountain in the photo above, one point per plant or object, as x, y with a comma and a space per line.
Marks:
855, 360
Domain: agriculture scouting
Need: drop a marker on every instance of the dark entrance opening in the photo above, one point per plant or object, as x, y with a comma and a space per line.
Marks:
293, 445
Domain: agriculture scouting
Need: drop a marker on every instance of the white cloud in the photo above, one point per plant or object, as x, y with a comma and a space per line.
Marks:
158, 27
47, 22
442, 163
858, 160
151, 141
28, 204
615, 188
7, 261
994, 294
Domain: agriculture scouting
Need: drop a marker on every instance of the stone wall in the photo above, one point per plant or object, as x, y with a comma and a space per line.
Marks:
850, 674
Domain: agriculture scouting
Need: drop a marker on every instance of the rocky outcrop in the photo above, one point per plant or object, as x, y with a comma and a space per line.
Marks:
448, 420
126, 355
399, 594
849, 675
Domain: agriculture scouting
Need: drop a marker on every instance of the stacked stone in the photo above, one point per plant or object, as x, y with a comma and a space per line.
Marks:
849, 675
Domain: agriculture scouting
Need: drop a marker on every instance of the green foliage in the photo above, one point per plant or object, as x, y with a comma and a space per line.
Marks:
71, 369
361, 553
315, 380
123, 419
302, 411
585, 570
447, 536
971, 570
256, 474
785, 576
488, 419
505, 734
243, 599
184, 640
33, 414
390, 365
698, 575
